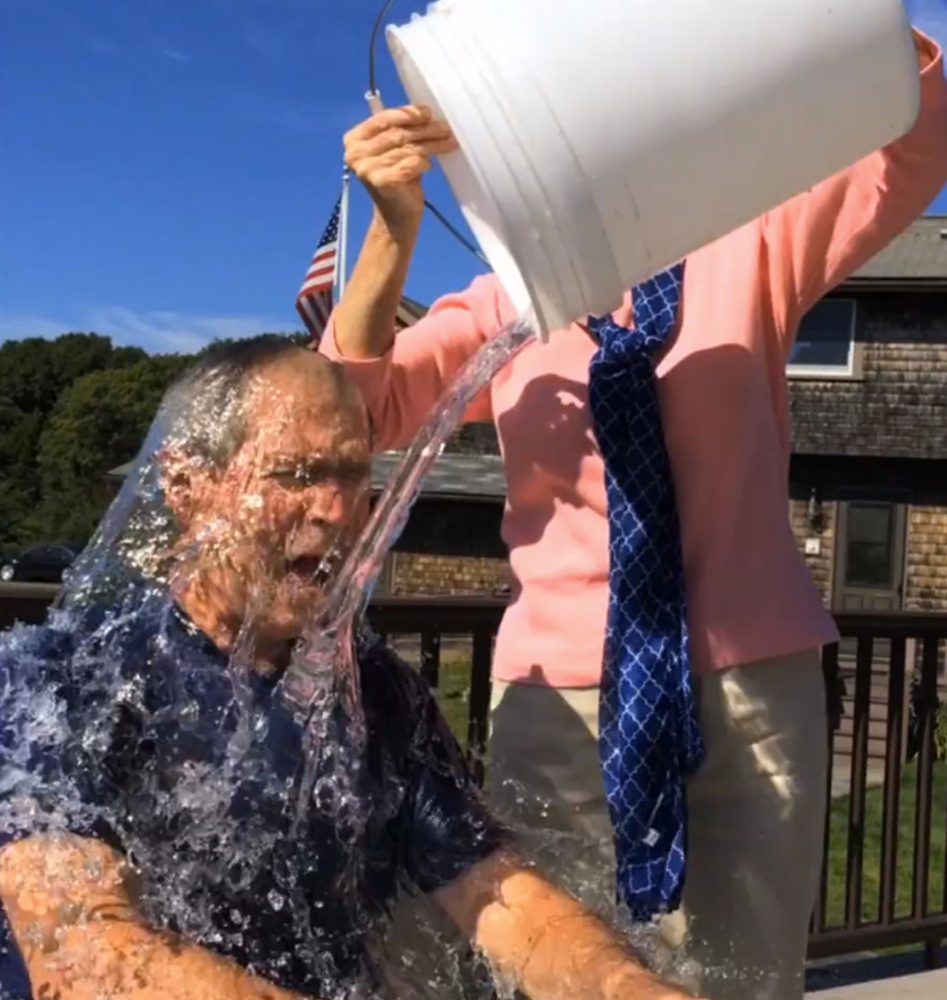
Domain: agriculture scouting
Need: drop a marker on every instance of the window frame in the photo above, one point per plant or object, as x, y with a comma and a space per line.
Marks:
890, 545
866, 598
827, 373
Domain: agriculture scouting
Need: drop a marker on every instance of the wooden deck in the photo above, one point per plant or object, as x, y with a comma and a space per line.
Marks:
921, 986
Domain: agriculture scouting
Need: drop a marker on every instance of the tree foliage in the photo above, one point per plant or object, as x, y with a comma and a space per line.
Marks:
34, 372
71, 409
33, 375
99, 422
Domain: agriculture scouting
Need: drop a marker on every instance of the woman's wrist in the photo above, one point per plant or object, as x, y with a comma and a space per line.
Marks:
401, 235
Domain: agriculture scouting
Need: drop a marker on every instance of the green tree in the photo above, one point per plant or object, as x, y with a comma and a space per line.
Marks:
19, 486
70, 410
33, 374
99, 422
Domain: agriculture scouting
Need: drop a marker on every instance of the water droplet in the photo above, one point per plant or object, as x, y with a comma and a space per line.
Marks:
275, 899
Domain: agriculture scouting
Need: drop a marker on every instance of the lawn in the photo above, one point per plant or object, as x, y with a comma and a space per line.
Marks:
453, 692
871, 863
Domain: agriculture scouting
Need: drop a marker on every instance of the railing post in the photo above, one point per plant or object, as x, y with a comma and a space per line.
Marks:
480, 686
925, 776
910, 661
431, 656
894, 759
830, 672
932, 954
859, 778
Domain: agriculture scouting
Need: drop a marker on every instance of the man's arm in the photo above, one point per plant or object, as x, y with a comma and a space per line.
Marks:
69, 903
535, 936
541, 939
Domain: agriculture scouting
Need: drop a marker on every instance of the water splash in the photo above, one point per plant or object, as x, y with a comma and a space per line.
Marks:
201, 877
322, 680
118, 657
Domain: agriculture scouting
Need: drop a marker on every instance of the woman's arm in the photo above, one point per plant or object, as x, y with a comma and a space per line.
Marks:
402, 386
402, 379
819, 238
388, 153
69, 903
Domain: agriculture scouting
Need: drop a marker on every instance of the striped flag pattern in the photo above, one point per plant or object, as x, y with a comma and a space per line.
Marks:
314, 302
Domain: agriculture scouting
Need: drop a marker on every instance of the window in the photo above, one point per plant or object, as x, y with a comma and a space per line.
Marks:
870, 555
825, 345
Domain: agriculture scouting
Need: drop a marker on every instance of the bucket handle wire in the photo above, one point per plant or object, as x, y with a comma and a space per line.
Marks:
375, 103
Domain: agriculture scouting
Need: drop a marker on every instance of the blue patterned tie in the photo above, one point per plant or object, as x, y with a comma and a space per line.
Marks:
649, 738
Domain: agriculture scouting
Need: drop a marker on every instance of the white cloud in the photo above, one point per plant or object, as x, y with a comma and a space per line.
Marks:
175, 55
156, 332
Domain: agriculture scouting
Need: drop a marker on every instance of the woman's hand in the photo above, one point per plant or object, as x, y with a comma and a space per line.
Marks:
389, 153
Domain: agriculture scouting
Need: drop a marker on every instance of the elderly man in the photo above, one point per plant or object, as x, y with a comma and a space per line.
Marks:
154, 841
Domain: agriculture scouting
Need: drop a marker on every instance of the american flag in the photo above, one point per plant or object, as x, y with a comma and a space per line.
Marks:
314, 302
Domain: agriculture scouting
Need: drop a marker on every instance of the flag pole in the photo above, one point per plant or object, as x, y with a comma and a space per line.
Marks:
344, 231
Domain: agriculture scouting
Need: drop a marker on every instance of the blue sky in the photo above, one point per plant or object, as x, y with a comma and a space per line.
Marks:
167, 166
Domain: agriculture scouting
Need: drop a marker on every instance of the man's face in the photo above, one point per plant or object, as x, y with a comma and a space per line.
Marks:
271, 527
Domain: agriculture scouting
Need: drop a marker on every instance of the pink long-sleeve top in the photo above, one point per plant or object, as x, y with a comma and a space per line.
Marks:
724, 406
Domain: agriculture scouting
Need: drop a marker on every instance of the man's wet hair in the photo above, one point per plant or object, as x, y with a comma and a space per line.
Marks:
206, 407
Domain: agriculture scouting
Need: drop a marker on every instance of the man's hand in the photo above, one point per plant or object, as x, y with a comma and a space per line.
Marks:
542, 941
389, 153
69, 902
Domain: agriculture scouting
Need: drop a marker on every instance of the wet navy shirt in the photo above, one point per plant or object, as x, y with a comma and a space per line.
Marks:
132, 727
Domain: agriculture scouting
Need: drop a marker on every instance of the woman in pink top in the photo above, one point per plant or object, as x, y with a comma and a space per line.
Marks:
756, 621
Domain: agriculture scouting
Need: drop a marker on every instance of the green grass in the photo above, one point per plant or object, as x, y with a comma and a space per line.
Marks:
453, 693
871, 861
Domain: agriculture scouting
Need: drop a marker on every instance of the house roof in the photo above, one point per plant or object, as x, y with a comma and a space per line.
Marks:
455, 475
917, 257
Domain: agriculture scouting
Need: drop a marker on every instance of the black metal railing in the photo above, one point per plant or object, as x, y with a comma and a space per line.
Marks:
435, 619
883, 881
877, 890
887, 650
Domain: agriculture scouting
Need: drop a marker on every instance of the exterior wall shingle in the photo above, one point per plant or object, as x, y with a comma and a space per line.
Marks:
925, 585
898, 407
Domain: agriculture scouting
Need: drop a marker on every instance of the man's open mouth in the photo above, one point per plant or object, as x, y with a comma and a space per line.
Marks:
313, 570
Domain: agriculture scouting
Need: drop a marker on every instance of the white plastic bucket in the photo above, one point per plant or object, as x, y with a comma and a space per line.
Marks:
602, 140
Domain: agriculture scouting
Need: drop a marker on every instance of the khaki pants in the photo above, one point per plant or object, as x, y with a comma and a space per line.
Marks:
755, 814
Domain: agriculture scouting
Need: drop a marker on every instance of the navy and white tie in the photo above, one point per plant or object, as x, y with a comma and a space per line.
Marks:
649, 736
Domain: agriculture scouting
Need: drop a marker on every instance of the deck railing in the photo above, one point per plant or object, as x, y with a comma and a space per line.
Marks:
883, 882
